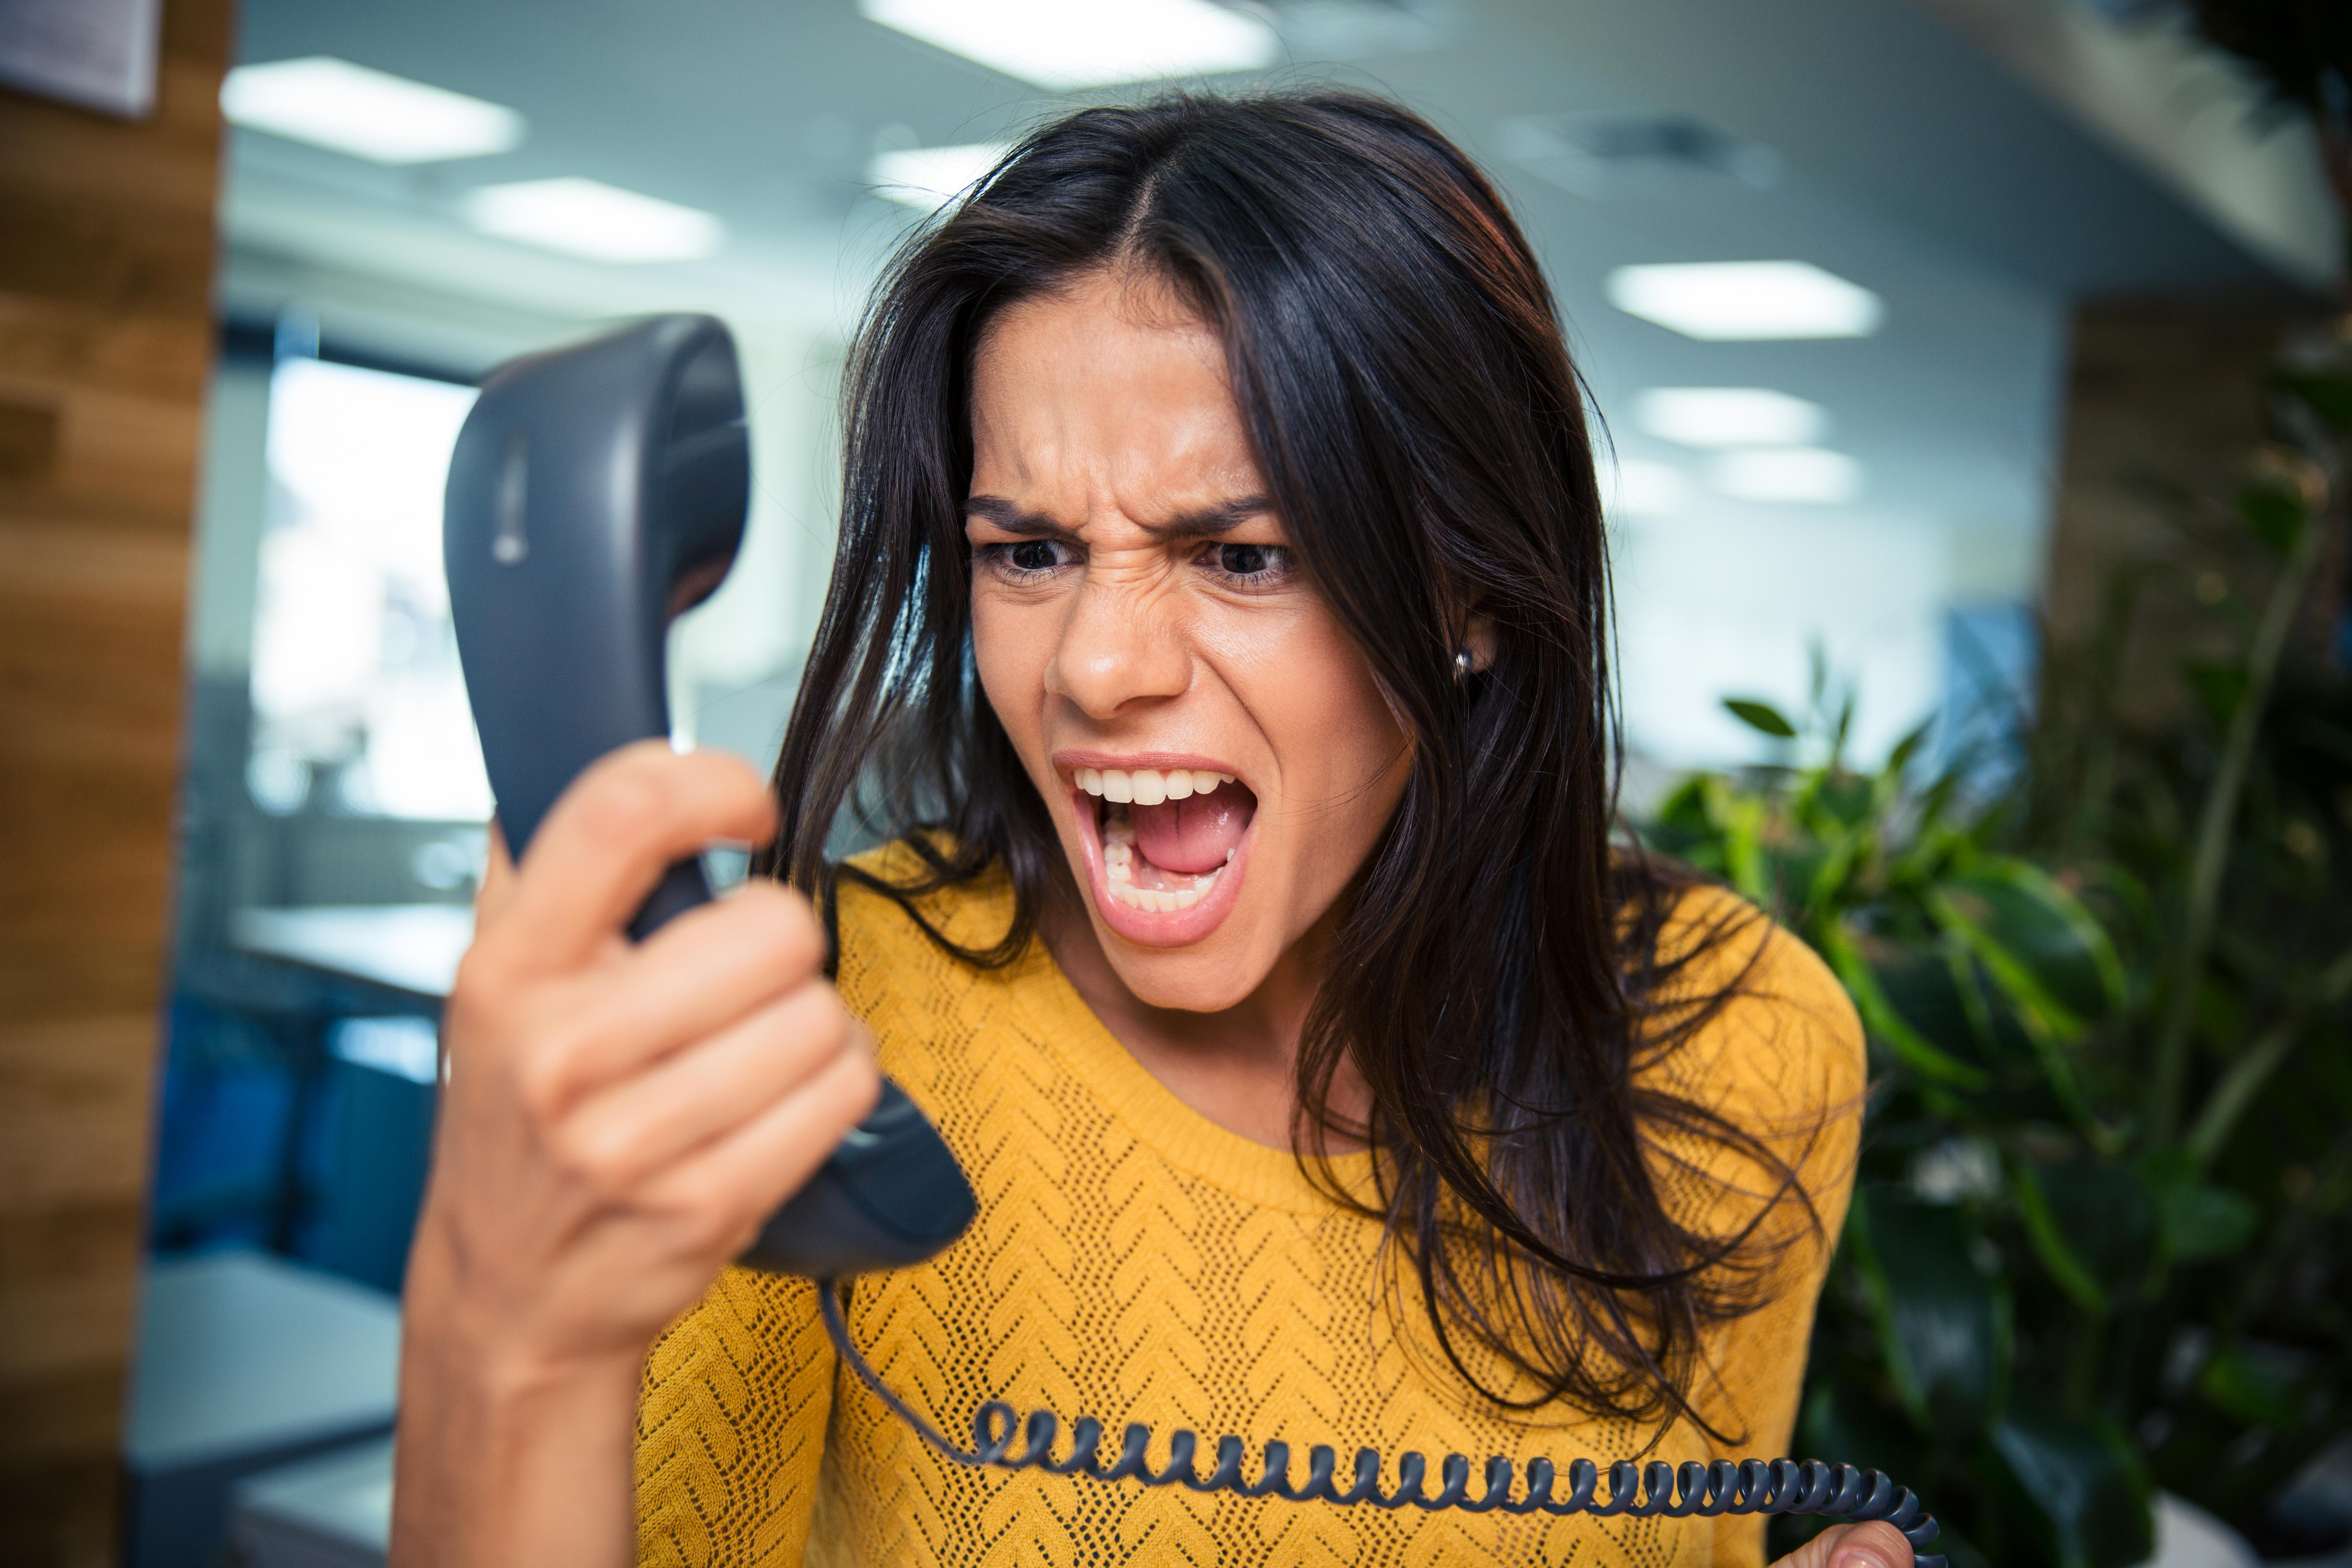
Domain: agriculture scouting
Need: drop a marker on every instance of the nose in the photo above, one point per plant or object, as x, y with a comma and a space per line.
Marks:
1119, 647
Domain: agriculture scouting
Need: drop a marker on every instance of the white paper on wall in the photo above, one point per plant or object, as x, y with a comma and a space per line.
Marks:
99, 54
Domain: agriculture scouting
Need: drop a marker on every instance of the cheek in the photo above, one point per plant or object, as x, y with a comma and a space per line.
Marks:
1011, 645
1340, 743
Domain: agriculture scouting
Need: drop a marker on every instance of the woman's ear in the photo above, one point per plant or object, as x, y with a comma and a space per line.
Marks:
1478, 642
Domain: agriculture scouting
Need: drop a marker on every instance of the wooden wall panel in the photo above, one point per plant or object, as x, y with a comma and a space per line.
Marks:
106, 257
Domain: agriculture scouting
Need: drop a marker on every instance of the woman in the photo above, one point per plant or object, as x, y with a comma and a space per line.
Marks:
1217, 646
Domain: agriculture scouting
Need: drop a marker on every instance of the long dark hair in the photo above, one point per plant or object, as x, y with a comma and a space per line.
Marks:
1497, 976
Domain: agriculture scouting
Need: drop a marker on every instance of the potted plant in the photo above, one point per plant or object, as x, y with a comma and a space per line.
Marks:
2101, 1241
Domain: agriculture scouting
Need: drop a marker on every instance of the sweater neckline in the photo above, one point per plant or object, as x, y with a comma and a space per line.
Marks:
1174, 1131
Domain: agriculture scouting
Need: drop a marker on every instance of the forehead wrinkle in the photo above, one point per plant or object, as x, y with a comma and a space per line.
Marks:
1090, 404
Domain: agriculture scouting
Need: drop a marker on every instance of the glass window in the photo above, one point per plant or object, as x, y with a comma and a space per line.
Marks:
355, 679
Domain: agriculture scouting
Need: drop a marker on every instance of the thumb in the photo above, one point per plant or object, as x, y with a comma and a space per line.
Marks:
1874, 1545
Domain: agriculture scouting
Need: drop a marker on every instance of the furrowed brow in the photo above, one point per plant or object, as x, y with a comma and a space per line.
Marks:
1205, 522
1004, 514
1209, 522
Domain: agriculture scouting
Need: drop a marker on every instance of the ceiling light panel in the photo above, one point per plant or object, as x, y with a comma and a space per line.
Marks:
1730, 416
366, 113
926, 178
1060, 45
1799, 474
1747, 300
1648, 489
590, 218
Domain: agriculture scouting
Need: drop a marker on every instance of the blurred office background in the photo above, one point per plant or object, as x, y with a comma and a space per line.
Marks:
1841, 273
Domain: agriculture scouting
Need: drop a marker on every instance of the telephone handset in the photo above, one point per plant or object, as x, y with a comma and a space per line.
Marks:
595, 492
598, 491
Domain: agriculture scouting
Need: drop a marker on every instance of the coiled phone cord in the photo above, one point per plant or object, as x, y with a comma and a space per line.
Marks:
1746, 1486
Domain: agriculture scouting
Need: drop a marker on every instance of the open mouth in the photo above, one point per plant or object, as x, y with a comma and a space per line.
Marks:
1171, 840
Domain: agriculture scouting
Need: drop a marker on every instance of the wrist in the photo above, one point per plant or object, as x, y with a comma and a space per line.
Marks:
481, 1333
507, 1454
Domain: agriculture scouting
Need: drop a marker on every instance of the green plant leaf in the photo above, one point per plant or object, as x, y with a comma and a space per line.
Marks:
1686, 807
2088, 1487
2201, 1223
1940, 1321
2256, 1383
1860, 1428
2092, 1222
1889, 1025
2219, 688
1968, 909
2276, 512
1761, 717
1847, 799
1900, 759
2041, 943
2329, 397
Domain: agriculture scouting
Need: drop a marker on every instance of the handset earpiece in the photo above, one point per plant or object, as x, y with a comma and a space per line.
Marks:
597, 492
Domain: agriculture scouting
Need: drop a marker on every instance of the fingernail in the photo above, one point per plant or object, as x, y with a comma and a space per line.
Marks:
1858, 1557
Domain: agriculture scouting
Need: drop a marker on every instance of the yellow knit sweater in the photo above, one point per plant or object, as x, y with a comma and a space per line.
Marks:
1134, 1261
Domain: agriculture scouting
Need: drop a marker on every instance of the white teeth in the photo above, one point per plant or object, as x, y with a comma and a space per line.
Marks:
1148, 786
1162, 901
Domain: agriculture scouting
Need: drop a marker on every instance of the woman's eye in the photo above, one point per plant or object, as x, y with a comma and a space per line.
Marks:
1023, 557
1263, 562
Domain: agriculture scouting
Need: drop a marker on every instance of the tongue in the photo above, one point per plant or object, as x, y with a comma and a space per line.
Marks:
1195, 834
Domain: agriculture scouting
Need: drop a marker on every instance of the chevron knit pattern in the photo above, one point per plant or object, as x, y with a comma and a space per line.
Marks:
1135, 1262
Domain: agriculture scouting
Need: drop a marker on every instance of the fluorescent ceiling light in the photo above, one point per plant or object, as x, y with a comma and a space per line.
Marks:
1723, 301
1648, 489
590, 218
1730, 416
1059, 45
350, 108
1789, 474
928, 177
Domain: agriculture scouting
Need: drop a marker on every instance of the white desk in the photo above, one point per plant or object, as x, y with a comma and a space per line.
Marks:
334, 1512
246, 1363
241, 1351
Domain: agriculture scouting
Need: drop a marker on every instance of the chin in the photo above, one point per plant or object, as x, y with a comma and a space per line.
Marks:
1208, 977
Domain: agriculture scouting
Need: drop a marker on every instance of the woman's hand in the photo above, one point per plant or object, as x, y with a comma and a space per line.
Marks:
618, 1121
1874, 1545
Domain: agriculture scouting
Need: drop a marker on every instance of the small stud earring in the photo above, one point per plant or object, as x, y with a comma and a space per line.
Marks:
1461, 663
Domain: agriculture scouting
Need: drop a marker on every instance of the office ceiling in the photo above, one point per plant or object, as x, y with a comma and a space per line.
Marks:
1909, 159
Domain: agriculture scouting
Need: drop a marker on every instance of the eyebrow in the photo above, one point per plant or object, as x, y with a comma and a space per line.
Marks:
1206, 522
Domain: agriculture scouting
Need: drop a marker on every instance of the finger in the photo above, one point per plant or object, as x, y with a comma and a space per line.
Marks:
1874, 1545
653, 1118
610, 837
741, 1178
1877, 1545
699, 974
